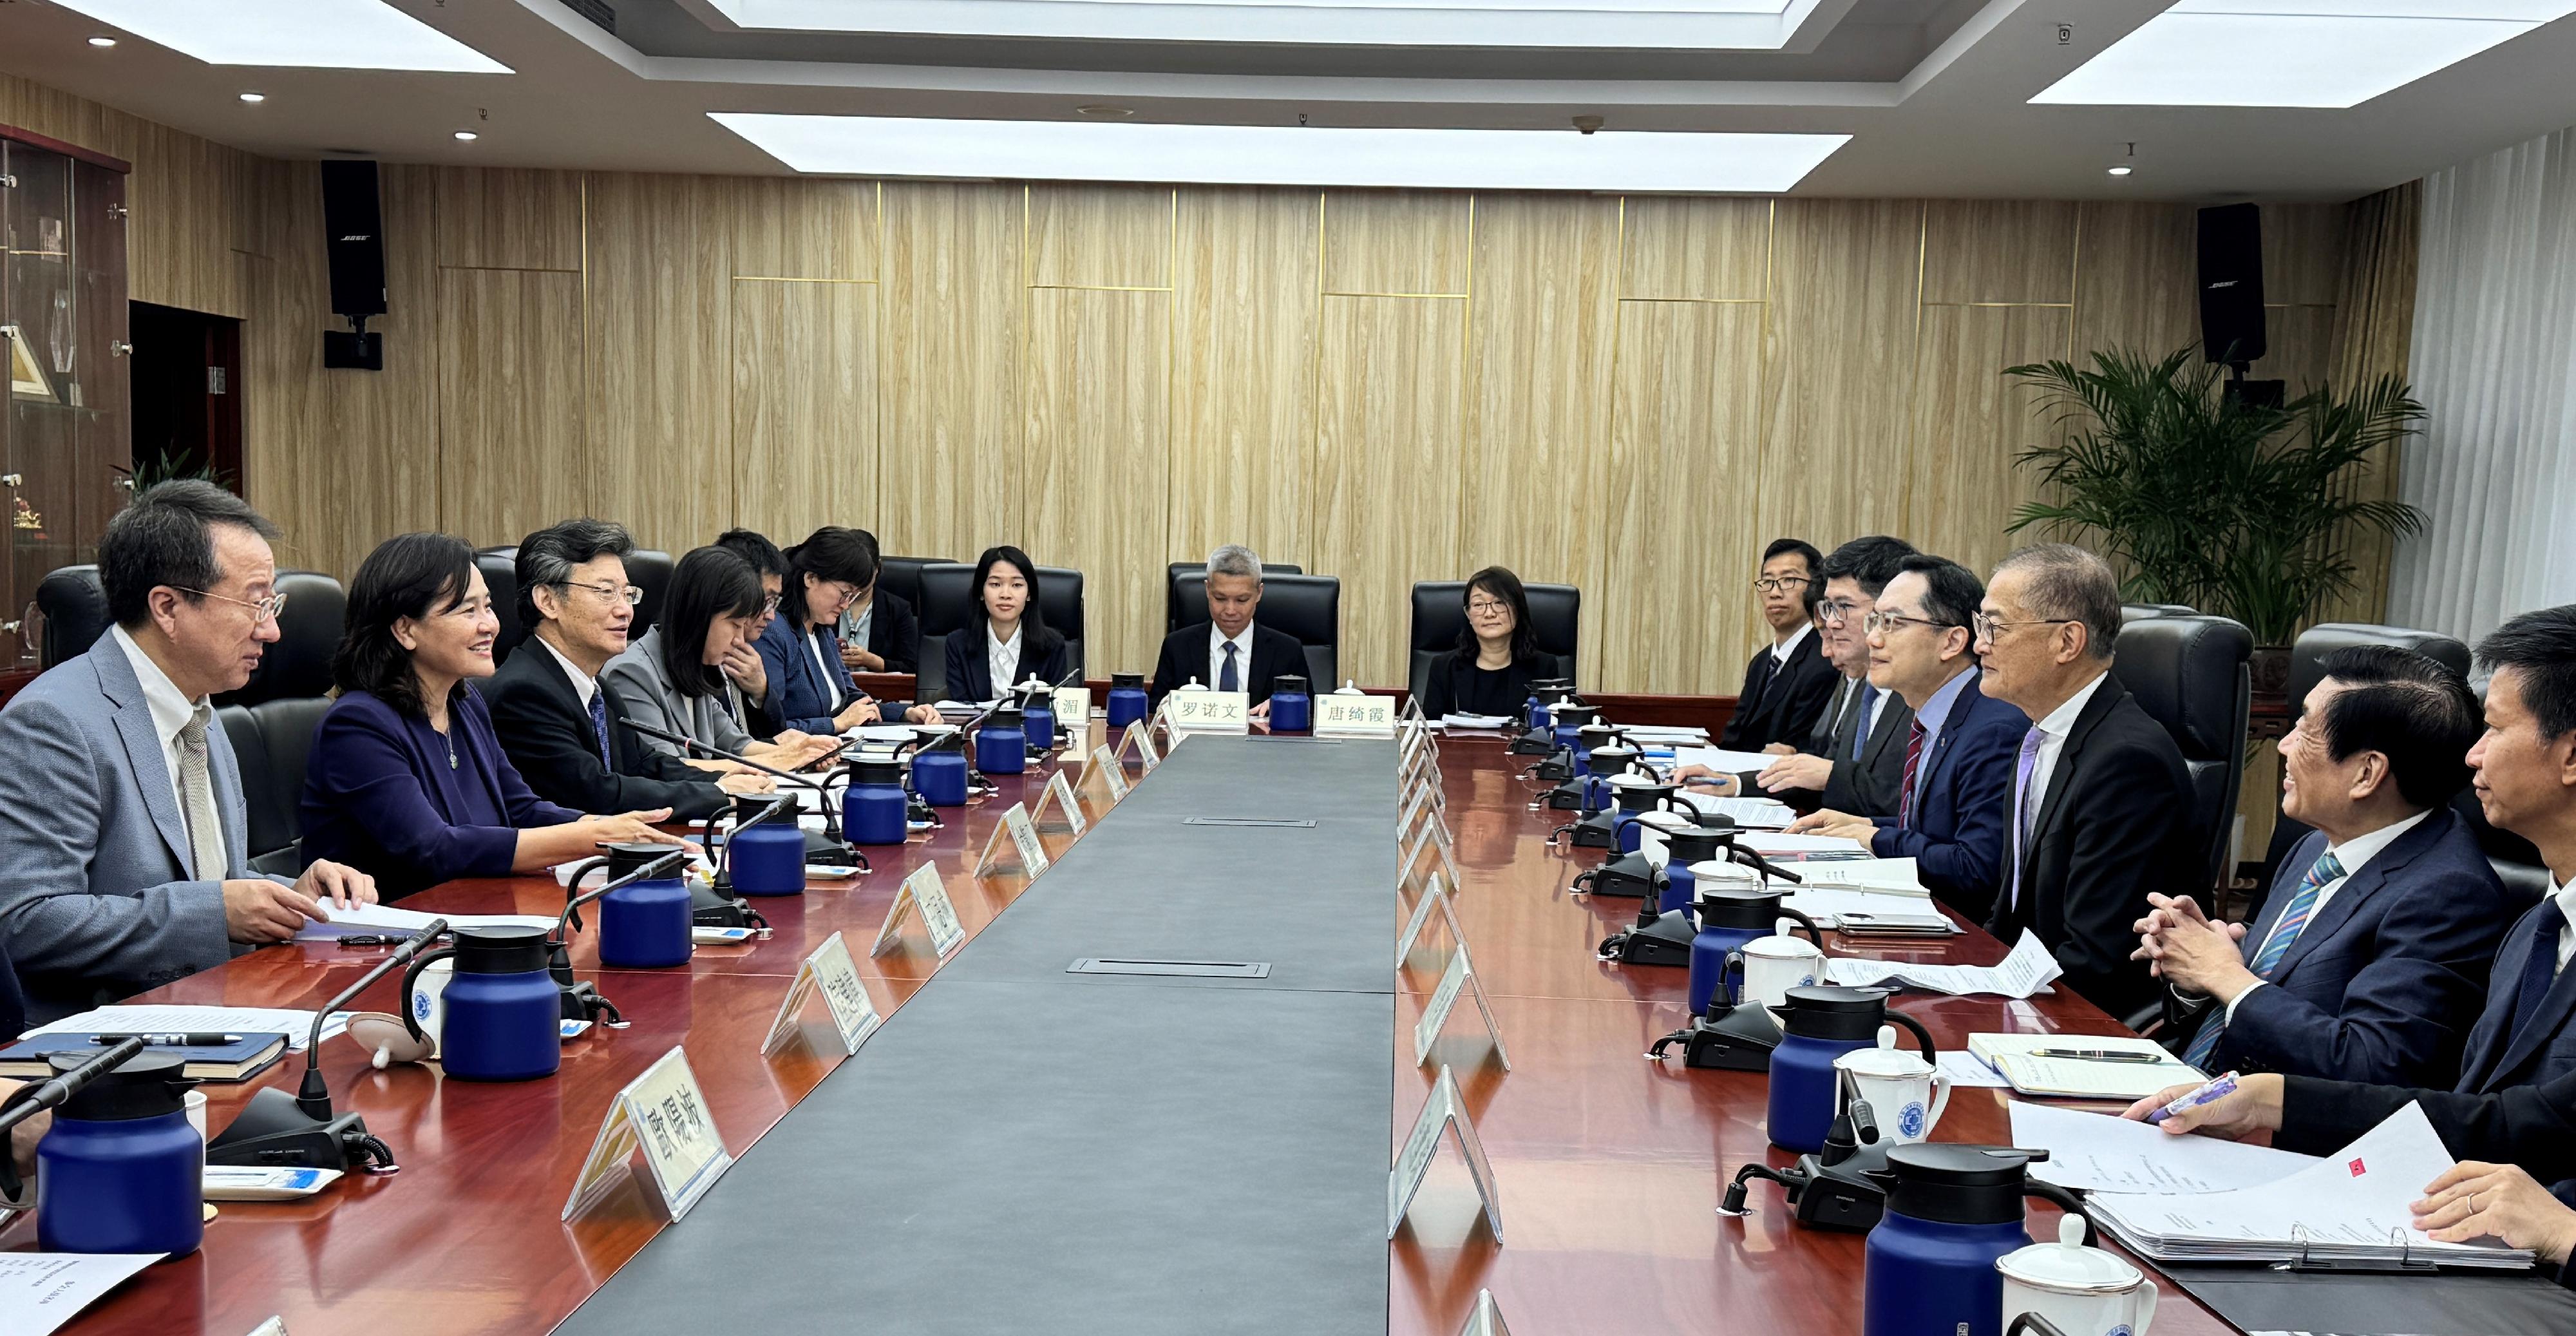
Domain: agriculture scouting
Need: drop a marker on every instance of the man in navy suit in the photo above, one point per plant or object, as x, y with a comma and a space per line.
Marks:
1958, 775
2369, 962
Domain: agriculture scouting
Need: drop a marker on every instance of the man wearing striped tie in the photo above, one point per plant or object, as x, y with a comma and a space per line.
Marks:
2370, 962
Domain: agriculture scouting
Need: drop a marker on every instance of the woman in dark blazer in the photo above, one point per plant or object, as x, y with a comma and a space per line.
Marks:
1497, 656
1005, 633
406, 780
809, 689
879, 633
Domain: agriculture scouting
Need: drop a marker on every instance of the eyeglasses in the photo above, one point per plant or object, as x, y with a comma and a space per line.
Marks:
768, 604
630, 595
1880, 623
1987, 628
262, 609
1486, 607
1835, 612
1773, 584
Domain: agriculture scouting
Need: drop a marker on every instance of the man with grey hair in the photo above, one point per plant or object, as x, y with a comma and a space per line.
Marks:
2101, 811
1230, 651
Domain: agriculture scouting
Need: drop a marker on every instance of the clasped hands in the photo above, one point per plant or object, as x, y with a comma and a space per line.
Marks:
2184, 948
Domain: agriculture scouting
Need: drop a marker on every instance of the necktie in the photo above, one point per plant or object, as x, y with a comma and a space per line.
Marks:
1905, 792
1860, 727
1225, 677
197, 795
2539, 969
2327, 869
599, 724
1765, 668
2022, 774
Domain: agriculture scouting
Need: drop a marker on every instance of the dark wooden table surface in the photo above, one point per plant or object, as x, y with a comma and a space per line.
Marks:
1610, 1167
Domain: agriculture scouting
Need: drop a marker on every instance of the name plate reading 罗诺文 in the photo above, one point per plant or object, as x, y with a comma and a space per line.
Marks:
1460, 976
831, 972
1210, 711
923, 891
1445, 1111
662, 1115
1341, 714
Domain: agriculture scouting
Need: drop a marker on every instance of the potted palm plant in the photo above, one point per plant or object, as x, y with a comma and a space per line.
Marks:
2203, 498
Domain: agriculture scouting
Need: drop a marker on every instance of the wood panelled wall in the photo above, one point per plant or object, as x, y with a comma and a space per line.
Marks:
1629, 394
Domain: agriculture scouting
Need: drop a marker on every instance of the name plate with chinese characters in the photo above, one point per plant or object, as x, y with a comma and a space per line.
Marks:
1345, 715
663, 1116
831, 972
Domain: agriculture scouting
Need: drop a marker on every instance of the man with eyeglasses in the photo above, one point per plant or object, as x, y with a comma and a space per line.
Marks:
1957, 773
1787, 683
122, 823
556, 721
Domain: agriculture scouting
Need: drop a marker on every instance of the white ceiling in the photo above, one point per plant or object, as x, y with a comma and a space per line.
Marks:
1935, 94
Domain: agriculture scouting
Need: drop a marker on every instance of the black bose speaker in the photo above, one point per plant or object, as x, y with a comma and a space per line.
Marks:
2231, 284
353, 237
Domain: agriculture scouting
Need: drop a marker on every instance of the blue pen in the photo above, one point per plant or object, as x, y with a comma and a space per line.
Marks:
2207, 1094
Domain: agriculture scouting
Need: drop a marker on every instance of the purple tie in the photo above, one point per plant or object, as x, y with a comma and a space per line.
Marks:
2030, 744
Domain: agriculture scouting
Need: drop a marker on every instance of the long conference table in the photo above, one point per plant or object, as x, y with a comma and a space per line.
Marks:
1019, 1146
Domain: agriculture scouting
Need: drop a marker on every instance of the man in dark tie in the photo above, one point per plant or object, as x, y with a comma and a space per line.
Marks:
1787, 683
1230, 651
2370, 960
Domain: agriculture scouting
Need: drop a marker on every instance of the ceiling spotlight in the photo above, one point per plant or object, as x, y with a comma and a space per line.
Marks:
467, 136
1102, 111
102, 42
254, 98
2119, 169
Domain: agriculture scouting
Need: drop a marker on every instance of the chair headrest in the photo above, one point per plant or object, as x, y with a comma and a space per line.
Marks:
2307, 654
650, 571
2138, 612
2186, 673
299, 664
74, 606
500, 567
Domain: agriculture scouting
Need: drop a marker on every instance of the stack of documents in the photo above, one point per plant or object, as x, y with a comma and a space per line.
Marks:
1875, 913
2022, 973
1723, 762
1806, 848
1475, 723
2025, 1061
393, 920
297, 1026
1882, 875
2101, 1152
1647, 734
1746, 813
2350, 1207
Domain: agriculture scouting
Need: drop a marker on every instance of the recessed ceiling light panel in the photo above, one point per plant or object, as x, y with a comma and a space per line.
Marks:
304, 34
1749, 25
2292, 53
1286, 155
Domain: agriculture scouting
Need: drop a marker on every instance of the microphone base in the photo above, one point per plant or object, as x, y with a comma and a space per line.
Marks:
1536, 742
1628, 876
1739, 1039
272, 1133
1558, 766
1596, 832
1666, 941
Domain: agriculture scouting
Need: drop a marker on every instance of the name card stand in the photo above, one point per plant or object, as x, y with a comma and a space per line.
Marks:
1139, 739
1059, 798
1350, 715
1434, 838
662, 1116
1026, 852
1209, 711
1072, 709
923, 891
831, 972
1112, 775
1432, 895
1421, 805
1445, 1111
1487, 1319
1459, 977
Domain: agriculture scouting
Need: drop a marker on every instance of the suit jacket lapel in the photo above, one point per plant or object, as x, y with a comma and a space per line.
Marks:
1893, 720
2544, 1026
2348, 898
144, 754
2285, 884
2106, 697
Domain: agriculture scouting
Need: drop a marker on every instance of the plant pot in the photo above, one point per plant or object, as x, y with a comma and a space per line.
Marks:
2270, 667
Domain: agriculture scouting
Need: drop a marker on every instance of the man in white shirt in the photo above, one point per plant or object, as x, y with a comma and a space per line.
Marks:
1230, 651
2368, 961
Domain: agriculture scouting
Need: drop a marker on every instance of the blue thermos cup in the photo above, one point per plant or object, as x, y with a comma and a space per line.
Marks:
1037, 719
1570, 720
121, 1170
873, 810
768, 858
1127, 699
1953, 1211
1002, 744
939, 771
502, 1006
1291, 709
645, 924
1728, 919
1819, 1024
1684, 846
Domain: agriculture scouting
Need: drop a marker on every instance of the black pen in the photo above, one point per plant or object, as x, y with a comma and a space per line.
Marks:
2096, 1055
179, 1040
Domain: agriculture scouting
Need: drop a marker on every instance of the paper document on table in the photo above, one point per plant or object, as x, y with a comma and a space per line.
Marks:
1891, 876
2350, 1206
2021, 974
1746, 813
1721, 761
2101, 1152
1649, 733
1777, 842
297, 1026
805, 820
1473, 723
39, 1292
391, 919
1964, 1069
1866, 911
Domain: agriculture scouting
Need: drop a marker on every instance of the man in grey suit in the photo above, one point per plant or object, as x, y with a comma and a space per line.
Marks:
121, 817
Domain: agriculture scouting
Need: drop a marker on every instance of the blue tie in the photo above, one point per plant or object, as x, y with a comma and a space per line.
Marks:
1225, 678
1860, 729
2267, 958
2539, 969
599, 723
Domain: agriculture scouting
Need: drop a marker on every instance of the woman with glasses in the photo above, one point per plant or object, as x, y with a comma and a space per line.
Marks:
809, 689
1497, 655
406, 779
672, 678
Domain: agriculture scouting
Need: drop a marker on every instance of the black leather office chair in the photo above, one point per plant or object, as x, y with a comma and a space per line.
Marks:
500, 567
649, 570
2307, 658
1190, 608
901, 577
2191, 675
73, 605
2135, 612
1308, 607
273, 740
308, 634
1440, 617
946, 607
1060, 602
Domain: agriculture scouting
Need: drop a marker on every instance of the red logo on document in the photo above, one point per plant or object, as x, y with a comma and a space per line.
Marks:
2357, 1169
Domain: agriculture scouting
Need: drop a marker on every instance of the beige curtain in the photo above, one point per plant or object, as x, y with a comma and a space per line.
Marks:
2374, 317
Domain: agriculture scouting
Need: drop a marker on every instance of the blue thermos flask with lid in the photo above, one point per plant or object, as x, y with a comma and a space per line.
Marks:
1127, 699
1037, 717
1953, 1211
1291, 709
939, 770
766, 856
643, 924
501, 1007
873, 810
1570, 719
1684, 848
122, 1170
1733, 912
1819, 1024
1002, 744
